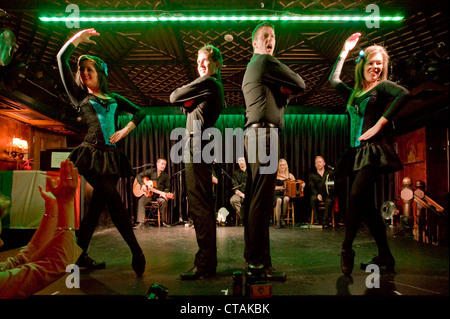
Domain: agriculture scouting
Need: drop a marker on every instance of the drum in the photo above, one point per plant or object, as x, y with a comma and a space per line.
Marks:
294, 188
329, 184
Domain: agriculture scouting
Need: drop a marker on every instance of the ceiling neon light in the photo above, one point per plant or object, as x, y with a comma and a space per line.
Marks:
300, 18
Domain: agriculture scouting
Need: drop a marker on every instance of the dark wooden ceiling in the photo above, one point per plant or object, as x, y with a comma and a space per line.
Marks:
147, 61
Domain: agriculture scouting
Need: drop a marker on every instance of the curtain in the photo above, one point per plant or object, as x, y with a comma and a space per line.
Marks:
303, 137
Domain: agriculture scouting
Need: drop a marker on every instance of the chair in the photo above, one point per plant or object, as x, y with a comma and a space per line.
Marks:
153, 208
321, 207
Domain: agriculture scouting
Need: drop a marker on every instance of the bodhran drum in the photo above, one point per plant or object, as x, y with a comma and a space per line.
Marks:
294, 188
329, 184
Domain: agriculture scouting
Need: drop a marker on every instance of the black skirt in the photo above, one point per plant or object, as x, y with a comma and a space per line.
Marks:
100, 159
382, 156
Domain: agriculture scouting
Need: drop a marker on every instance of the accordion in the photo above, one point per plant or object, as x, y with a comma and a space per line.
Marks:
294, 188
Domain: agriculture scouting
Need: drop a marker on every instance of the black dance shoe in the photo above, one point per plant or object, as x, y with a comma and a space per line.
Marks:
347, 261
381, 261
195, 273
138, 264
87, 262
274, 275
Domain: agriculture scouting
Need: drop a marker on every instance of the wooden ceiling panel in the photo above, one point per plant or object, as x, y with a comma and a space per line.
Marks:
147, 61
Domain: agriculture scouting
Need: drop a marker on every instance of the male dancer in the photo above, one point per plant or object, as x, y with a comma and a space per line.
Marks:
202, 101
267, 85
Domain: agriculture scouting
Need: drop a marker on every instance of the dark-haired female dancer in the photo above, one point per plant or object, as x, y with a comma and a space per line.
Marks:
97, 158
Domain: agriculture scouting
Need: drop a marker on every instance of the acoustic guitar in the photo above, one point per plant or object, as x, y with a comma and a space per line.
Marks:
138, 191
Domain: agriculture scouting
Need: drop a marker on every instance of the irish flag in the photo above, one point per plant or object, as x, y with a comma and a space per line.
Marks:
27, 205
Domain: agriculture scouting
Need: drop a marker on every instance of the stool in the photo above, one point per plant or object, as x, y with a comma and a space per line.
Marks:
152, 206
290, 214
321, 207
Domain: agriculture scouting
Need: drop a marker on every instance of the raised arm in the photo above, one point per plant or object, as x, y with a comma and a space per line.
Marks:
335, 75
72, 89
48, 262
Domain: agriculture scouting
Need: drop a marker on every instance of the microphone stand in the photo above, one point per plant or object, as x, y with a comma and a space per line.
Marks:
223, 171
145, 165
180, 197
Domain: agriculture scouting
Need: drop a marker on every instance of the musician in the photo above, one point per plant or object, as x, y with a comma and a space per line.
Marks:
162, 184
281, 201
317, 186
239, 181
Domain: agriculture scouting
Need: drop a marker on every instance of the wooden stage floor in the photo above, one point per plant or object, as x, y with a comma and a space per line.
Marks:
310, 258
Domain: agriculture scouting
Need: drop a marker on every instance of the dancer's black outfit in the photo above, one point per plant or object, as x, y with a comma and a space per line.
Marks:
207, 95
267, 85
364, 161
100, 162
317, 186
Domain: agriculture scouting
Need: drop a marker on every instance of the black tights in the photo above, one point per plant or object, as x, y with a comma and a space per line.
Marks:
362, 208
105, 194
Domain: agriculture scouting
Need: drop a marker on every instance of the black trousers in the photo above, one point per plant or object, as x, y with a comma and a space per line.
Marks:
201, 210
144, 200
259, 194
105, 194
328, 206
362, 207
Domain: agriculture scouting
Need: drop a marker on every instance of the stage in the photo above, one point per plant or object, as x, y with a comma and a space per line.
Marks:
310, 258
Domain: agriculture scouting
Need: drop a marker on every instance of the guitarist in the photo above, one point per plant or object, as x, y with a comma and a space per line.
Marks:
162, 180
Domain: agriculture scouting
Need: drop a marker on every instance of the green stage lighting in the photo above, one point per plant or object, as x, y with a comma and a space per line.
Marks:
206, 18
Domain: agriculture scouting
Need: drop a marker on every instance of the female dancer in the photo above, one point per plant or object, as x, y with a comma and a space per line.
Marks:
372, 103
97, 158
281, 201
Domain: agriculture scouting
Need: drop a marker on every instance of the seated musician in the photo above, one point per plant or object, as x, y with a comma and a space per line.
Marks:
239, 181
319, 192
281, 201
162, 180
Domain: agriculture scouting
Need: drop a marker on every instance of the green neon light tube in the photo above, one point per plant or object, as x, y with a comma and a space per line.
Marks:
300, 18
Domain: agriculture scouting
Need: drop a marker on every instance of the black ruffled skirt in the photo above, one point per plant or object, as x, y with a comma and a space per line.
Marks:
100, 159
382, 156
